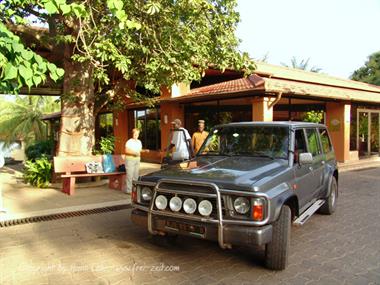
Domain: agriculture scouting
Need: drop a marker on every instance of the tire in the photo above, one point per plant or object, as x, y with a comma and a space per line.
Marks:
277, 251
329, 206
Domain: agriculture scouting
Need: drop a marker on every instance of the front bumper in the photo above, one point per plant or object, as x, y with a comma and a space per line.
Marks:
229, 234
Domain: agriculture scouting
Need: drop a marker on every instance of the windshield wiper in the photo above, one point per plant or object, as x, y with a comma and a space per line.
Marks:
213, 154
218, 154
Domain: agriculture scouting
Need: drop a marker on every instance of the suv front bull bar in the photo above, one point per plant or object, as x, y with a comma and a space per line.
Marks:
219, 221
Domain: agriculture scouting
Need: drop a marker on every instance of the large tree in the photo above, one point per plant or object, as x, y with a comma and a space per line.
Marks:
370, 72
147, 43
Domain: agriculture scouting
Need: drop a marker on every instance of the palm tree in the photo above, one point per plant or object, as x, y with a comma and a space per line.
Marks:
303, 64
264, 58
22, 119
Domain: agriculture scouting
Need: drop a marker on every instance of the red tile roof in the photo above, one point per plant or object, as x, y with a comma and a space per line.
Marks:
253, 82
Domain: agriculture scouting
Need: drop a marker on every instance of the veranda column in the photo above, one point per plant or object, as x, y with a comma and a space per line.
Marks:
171, 110
121, 130
338, 123
262, 109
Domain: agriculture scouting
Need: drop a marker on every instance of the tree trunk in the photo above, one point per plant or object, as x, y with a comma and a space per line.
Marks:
77, 132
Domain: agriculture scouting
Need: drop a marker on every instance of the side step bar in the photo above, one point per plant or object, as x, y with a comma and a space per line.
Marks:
308, 213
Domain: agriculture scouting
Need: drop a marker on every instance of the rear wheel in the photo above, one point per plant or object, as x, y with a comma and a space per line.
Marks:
329, 206
277, 251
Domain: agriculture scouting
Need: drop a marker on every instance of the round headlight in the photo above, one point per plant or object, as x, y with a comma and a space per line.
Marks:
161, 202
175, 204
241, 205
146, 193
189, 206
205, 208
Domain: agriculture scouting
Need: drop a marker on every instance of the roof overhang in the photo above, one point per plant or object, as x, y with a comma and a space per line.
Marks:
289, 82
52, 116
319, 91
42, 91
252, 84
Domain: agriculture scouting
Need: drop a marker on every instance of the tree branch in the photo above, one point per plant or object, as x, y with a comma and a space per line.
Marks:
36, 13
99, 108
32, 35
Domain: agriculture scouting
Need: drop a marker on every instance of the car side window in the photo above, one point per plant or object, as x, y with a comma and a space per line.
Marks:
325, 140
312, 140
300, 144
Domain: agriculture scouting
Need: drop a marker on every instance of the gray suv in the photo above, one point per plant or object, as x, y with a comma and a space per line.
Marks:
246, 186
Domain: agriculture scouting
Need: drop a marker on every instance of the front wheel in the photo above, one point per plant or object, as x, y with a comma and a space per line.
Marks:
329, 206
277, 251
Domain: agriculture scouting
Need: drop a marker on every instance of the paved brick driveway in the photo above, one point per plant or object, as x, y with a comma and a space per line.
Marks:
108, 249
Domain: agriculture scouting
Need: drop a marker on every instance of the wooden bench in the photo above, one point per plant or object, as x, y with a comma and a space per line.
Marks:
71, 167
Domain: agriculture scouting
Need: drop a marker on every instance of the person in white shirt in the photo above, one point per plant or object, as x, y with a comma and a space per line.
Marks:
133, 149
181, 140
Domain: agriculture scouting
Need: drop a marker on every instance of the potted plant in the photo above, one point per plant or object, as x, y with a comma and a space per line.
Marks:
107, 147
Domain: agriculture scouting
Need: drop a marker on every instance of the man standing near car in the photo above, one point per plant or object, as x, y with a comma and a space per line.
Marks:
199, 136
181, 140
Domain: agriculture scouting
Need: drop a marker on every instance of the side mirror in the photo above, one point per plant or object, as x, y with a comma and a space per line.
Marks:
305, 158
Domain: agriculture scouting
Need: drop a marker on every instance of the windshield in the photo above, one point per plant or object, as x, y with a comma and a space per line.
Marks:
261, 141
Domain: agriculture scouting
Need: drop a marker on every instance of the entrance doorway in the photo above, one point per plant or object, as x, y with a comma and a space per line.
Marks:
368, 132
217, 112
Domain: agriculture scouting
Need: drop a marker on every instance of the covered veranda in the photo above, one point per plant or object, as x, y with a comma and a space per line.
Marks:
351, 109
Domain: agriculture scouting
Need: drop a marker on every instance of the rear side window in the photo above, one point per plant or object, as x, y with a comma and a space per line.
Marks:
325, 140
300, 144
312, 140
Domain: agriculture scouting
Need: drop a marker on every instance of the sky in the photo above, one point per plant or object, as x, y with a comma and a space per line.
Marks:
336, 35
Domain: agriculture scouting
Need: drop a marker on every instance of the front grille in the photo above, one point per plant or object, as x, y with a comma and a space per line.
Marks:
187, 187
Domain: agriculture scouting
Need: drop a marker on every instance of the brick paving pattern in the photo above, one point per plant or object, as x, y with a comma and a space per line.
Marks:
107, 249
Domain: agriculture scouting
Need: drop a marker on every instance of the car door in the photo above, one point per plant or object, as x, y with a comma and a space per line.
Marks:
328, 158
318, 165
305, 181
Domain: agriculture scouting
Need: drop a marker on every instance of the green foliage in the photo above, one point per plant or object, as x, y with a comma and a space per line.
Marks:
39, 149
313, 116
22, 118
22, 123
192, 35
363, 125
370, 72
152, 42
20, 66
38, 173
214, 144
303, 65
106, 145
4, 103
